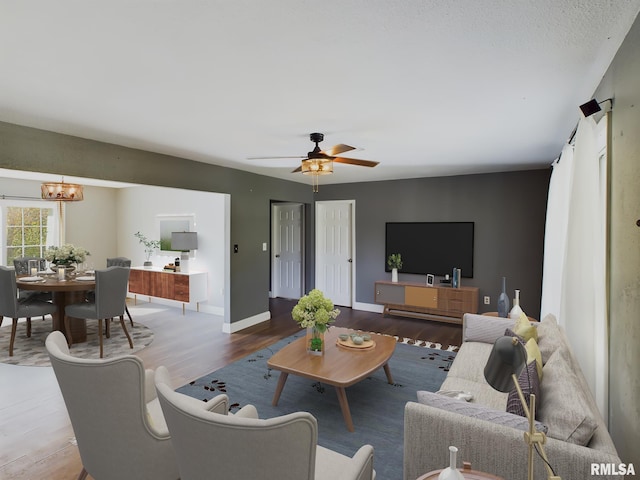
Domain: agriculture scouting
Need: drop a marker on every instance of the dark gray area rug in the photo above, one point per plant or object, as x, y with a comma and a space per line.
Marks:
377, 407
30, 351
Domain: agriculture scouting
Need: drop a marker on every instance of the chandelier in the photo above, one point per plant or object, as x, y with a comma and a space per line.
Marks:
62, 192
316, 167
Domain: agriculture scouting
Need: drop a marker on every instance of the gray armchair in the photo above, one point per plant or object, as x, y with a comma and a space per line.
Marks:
115, 415
21, 264
121, 262
110, 294
12, 307
242, 446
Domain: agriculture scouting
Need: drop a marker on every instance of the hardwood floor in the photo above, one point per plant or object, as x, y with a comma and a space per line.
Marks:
36, 438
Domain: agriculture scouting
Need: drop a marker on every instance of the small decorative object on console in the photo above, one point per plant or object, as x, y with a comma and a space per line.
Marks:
395, 263
503, 300
516, 311
455, 282
150, 246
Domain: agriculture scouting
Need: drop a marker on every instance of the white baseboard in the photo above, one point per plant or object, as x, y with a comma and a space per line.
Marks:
246, 322
212, 309
368, 307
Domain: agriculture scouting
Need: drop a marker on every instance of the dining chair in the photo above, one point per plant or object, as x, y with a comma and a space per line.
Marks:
242, 446
110, 294
13, 307
21, 264
121, 262
115, 414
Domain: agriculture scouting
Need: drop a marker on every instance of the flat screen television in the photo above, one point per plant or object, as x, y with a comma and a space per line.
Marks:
431, 247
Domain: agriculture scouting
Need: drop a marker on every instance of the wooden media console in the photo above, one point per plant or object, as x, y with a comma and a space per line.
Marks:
416, 300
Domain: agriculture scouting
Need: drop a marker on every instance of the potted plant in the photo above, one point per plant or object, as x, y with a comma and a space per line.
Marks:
315, 312
65, 256
395, 263
150, 246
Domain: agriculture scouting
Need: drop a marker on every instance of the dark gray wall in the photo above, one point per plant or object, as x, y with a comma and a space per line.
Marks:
509, 214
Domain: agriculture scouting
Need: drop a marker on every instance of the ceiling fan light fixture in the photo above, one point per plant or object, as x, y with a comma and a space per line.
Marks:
316, 166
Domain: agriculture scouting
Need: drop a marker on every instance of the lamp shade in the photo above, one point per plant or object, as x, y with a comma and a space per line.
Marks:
184, 241
507, 358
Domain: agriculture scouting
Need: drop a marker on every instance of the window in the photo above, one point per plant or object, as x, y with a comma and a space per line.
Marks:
28, 229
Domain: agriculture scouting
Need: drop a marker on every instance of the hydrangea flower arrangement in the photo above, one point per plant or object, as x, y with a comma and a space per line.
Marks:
315, 310
66, 254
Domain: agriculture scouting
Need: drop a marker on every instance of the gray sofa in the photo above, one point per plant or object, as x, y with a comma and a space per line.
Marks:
492, 439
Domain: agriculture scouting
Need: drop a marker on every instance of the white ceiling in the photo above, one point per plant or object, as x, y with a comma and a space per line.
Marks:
425, 87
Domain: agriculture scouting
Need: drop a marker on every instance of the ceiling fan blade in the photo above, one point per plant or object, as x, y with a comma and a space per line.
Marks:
299, 169
338, 149
274, 158
356, 161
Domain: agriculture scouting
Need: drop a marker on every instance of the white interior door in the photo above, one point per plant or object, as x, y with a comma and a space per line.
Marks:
286, 250
335, 250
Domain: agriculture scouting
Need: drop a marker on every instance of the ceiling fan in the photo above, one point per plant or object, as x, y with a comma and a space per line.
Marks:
320, 162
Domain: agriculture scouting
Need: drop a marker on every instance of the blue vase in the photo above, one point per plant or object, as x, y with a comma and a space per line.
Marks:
503, 300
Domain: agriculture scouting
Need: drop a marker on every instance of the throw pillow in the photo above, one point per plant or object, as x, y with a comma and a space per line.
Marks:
550, 338
483, 328
477, 411
524, 328
533, 353
565, 405
510, 333
529, 384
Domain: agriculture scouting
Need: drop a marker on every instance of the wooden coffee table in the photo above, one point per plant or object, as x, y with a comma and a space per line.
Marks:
339, 366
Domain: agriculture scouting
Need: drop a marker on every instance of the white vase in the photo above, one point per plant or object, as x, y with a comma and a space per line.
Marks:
451, 472
516, 311
394, 275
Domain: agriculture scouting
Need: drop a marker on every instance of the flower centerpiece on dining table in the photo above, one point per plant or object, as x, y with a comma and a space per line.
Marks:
315, 312
65, 256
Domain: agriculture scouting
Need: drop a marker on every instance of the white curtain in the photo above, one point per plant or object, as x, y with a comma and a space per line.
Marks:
573, 287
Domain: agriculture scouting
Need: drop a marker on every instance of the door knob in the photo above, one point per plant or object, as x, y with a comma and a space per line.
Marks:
350, 260
277, 255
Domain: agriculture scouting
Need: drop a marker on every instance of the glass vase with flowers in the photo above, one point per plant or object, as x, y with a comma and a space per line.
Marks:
315, 312
66, 256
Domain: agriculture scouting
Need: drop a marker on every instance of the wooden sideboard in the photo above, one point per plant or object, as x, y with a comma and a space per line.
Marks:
185, 287
417, 300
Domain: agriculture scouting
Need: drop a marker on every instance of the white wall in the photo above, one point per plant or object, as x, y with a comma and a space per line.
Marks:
138, 209
93, 224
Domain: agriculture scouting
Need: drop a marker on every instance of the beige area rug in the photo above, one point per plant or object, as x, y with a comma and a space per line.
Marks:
32, 352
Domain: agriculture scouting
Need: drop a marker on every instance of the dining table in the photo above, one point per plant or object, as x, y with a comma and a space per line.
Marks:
71, 289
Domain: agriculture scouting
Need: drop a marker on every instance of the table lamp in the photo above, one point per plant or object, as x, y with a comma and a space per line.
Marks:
184, 242
507, 359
